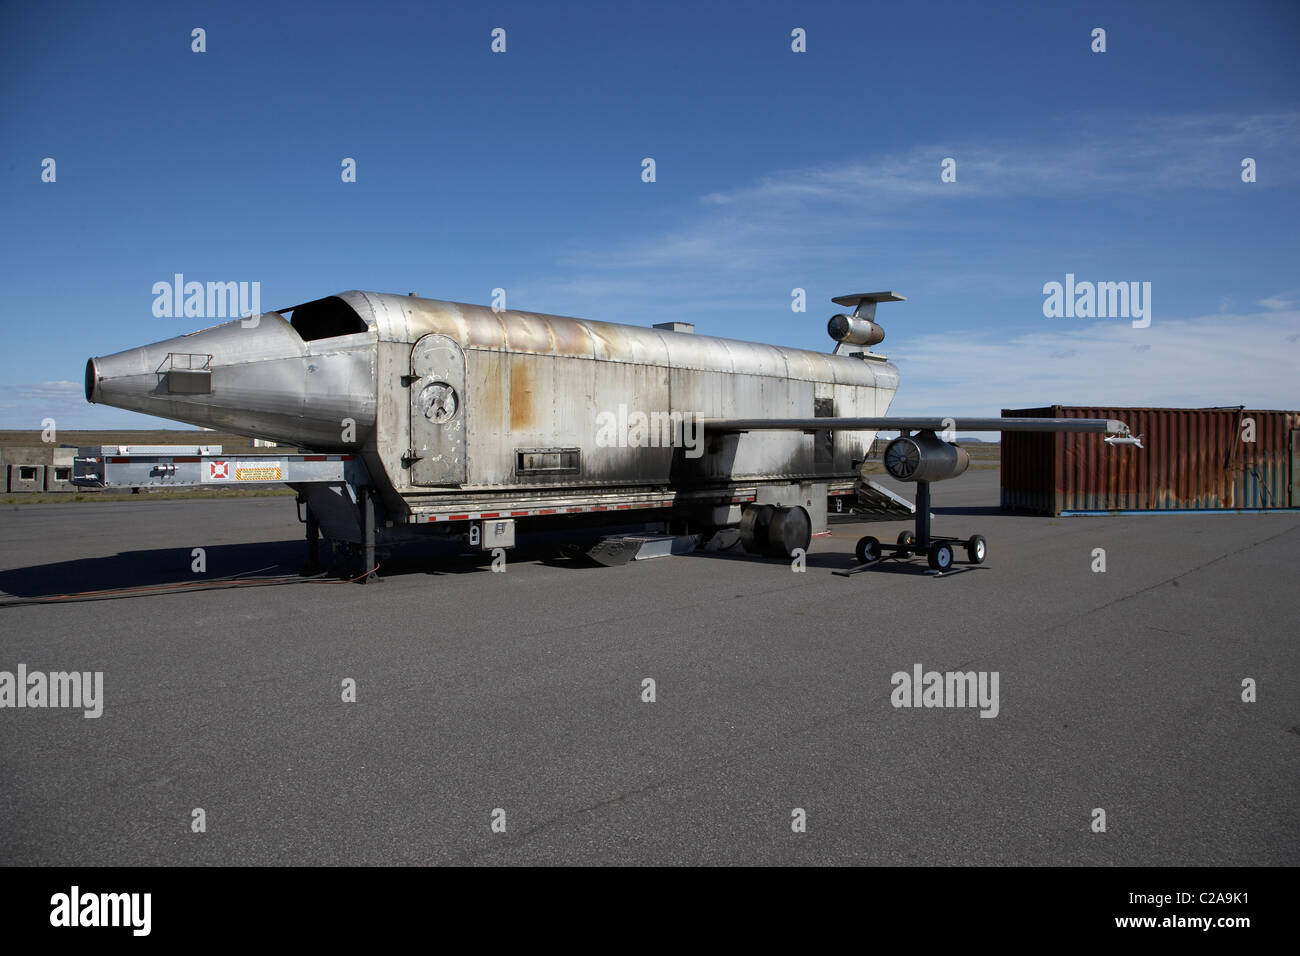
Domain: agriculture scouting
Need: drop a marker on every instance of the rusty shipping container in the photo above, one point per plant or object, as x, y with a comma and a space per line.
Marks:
1194, 459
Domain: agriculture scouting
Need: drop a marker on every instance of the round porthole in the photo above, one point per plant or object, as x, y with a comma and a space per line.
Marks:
439, 402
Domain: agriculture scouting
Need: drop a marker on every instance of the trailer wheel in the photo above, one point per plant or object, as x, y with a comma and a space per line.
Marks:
906, 540
941, 556
790, 530
977, 549
868, 549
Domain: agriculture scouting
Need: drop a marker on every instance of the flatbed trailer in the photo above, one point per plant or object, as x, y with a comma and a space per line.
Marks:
154, 467
335, 493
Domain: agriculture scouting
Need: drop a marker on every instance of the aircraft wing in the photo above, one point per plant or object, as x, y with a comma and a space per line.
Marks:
1106, 426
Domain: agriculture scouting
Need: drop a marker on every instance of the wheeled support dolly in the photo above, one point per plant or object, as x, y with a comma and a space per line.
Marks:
938, 549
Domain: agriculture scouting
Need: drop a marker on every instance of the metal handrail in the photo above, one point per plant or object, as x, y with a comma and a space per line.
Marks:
172, 361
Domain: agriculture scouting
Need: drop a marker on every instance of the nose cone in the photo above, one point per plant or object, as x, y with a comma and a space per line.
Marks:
250, 376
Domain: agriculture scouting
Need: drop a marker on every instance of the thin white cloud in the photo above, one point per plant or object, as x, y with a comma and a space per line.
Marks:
1181, 152
833, 213
1194, 362
1281, 301
35, 393
27, 406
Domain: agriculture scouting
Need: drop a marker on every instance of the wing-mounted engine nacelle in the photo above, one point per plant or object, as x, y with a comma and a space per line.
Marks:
924, 457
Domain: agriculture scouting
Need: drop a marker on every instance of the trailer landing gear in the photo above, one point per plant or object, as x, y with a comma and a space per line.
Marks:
939, 550
313, 565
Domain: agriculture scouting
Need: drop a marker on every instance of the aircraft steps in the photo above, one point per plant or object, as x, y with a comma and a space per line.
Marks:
877, 503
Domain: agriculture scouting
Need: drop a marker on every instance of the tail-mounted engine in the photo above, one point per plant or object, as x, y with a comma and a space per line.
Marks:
860, 328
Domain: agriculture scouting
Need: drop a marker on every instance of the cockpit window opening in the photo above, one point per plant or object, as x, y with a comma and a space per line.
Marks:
325, 319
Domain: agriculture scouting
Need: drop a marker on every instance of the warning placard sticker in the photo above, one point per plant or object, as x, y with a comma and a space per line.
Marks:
259, 471
223, 471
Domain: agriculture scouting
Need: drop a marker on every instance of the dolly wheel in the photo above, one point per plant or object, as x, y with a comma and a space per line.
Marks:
977, 549
906, 540
868, 549
941, 556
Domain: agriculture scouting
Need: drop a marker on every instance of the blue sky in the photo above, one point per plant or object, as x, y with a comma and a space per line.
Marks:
775, 170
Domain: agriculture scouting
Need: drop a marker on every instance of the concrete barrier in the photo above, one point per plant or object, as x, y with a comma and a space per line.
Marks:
36, 469
58, 478
26, 478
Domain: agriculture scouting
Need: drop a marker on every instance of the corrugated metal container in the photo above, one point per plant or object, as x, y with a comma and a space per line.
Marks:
1192, 459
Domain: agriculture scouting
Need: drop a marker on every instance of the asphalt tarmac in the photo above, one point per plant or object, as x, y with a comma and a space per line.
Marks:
517, 698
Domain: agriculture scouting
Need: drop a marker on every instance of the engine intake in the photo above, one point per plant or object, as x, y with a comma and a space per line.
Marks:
924, 457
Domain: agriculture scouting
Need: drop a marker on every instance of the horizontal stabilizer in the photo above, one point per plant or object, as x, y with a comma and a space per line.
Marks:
858, 298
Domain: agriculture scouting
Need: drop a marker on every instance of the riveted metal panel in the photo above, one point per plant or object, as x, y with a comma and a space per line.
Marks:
487, 386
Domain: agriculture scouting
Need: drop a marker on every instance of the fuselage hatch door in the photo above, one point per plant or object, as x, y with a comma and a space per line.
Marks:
438, 414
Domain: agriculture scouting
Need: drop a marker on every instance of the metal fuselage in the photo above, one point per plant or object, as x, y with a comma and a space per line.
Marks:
447, 401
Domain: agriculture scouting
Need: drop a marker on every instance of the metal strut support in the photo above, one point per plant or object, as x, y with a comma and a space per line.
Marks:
313, 542
368, 518
923, 516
